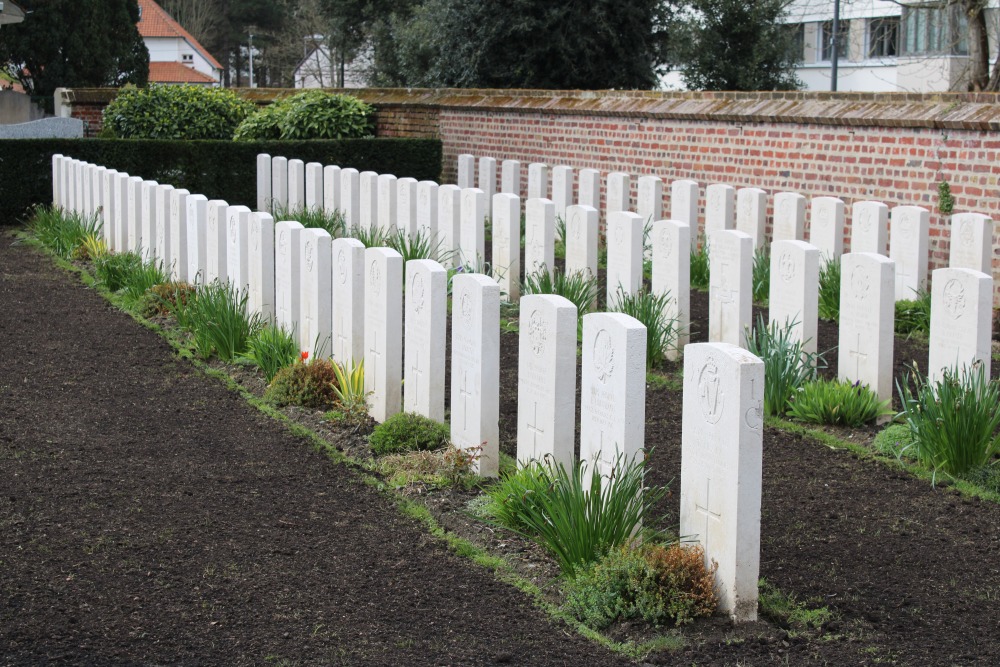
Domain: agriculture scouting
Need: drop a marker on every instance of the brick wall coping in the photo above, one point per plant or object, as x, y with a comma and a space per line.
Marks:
956, 111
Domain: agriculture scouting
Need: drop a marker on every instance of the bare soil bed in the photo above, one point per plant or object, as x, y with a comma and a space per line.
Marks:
151, 516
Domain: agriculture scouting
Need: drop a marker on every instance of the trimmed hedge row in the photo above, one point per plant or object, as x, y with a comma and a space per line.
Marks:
217, 169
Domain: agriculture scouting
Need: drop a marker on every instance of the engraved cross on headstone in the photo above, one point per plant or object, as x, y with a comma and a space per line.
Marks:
534, 428
345, 356
707, 512
376, 356
858, 356
466, 395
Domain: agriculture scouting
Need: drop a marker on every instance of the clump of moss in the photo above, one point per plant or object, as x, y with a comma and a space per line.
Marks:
310, 384
406, 432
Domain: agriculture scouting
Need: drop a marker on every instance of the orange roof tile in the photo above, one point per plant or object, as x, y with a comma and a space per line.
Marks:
177, 73
155, 22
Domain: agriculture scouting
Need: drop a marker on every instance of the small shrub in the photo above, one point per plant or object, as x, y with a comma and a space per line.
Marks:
579, 288
62, 232
175, 112
313, 114
220, 321
574, 521
786, 365
829, 290
761, 276
837, 403
894, 440
913, 316
954, 420
271, 348
167, 298
309, 384
651, 310
434, 469
946, 201
408, 431
662, 585
700, 272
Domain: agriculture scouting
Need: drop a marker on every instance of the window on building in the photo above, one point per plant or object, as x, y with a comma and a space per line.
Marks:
798, 40
883, 37
935, 30
826, 40
187, 57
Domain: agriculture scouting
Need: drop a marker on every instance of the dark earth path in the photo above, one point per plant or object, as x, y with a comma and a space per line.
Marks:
150, 516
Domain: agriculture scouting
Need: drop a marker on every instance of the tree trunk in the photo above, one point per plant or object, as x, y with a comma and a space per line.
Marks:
979, 45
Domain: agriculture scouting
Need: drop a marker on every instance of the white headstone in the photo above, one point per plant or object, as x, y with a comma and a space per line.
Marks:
612, 392
507, 245
472, 242
869, 227
826, 227
581, 240
618, 193
387, 192
197, 235
260, 256
672, 276
237, 228
178, 253
164, 214
510, 177
488, 176
450, 224
350, 198
88, 191
134, 210
466, 171
961, 309
649, 199
148, 213
348, 301
794, 290
315, 320
406, 206
789, 217
331, 189
287, 275
910, 230
684, 206
368, 206
426, 222
971, 239
122, 212
546, 380
110, 204
56, 185
475, 370
97, 184
539, 236
867, 308
730, 293
562, 189
279, 183
314, 187
383, 331
263, 182
296, 185
590, 189
624, 243
217, 242
426, 324
538, 180
751, 214
720, 208
721, 468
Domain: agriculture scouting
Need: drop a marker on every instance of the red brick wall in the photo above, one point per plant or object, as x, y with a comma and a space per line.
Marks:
92, 116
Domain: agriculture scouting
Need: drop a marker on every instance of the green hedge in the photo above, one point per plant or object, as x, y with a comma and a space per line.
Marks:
217, 169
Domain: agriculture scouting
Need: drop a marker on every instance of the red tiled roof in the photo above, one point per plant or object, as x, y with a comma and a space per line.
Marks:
155, 22
177, 73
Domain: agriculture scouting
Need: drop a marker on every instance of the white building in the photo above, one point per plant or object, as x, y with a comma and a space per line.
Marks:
321, 69
174, 55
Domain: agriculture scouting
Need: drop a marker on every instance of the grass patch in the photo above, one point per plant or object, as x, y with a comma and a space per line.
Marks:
784, 610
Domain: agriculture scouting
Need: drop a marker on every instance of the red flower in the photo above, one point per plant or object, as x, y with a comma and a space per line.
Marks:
305, 355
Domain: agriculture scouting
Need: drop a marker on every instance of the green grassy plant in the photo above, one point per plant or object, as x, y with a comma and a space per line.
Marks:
786, 365
418, 246
432, 469
581, 289
560, 247
271, 348
375, 237
312, 218
350, 389
127, 275
700, 268
913, 316
220, 321
60, 231
788, 612
761, 276
662, 585
837, 403
651, 310
578, 522
894, 440
954, 420
408, 431
829, 290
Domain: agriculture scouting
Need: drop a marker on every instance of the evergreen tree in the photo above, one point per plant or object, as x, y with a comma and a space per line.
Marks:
67, 43
736, 45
